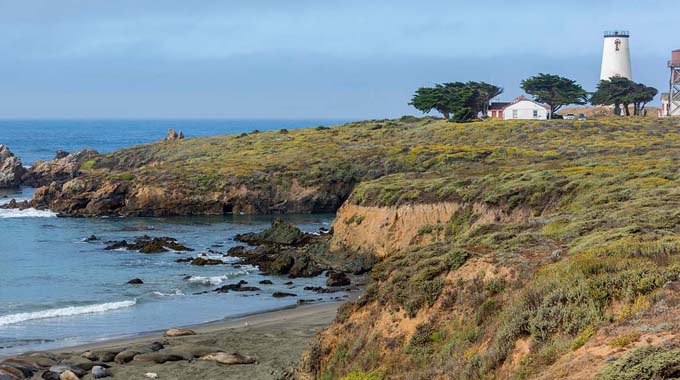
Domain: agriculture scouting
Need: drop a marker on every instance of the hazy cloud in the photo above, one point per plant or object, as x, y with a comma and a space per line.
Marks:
296, 58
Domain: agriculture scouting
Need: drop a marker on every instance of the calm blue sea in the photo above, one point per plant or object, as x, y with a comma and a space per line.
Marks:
33, 140
57, 290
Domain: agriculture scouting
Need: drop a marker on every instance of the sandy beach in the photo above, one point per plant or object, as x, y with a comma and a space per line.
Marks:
275, 339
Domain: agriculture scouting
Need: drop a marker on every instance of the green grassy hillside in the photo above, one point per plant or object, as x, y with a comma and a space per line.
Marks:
562, 260
594, 266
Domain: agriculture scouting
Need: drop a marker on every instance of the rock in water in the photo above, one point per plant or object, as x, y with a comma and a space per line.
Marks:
136, 281
200, 261
229, 359
337, 279
283, 294
11, 169
281, 232
99, 372
175, 332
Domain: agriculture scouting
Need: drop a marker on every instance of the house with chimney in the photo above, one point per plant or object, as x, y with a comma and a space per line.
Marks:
520, 109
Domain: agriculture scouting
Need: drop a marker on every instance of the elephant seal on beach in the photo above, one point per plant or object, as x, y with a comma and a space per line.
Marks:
68, 375
4, 369
7, 375
175, 332
229, 359
79, 372
49, 375
99, 372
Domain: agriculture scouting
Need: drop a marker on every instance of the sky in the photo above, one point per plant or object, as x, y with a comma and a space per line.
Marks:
298, 59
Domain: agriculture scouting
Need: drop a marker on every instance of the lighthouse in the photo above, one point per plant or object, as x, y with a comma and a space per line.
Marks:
616, 55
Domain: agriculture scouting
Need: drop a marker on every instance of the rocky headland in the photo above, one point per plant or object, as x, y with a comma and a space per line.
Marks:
496, 250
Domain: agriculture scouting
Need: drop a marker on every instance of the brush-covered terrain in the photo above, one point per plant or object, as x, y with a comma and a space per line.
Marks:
558, 258
509, 249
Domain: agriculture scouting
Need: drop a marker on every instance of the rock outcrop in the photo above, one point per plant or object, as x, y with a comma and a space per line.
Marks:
89, 195
285, 250
174, 135
148, 244
11, 169
64, 167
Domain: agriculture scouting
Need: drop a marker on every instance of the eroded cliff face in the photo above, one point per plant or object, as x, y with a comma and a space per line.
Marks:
381, 231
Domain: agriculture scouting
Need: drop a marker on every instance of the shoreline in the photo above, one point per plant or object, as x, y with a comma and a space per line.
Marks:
275, 340
253, 320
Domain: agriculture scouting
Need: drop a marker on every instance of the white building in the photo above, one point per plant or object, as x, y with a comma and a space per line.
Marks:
521, 109
666, 109
616, 55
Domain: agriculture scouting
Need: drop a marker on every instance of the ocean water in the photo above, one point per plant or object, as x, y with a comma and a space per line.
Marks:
57, 290
33, 140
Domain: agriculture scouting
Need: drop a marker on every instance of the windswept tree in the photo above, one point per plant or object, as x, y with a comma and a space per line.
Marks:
554, 90
622, 92
643, 94
457, 100
435, 98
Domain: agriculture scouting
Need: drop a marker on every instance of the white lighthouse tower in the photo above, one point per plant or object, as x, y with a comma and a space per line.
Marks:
616, 55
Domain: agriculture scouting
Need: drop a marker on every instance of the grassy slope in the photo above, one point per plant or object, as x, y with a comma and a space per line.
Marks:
601, 245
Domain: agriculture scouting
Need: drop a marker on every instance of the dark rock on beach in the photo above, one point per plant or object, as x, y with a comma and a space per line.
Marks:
321, 290
337, 279
266, 282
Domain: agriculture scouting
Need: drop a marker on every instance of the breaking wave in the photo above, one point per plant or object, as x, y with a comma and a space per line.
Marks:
27, 213
64, 312
174, 292
218, 280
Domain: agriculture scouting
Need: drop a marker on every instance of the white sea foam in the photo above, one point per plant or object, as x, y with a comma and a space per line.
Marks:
172, 293
214, 280
64, 312
27, 213
218, 280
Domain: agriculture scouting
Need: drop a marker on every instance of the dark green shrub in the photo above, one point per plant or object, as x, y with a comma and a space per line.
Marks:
645, 363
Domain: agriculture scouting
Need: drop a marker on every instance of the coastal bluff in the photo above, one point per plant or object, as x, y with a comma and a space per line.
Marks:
504, 249
311, 170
